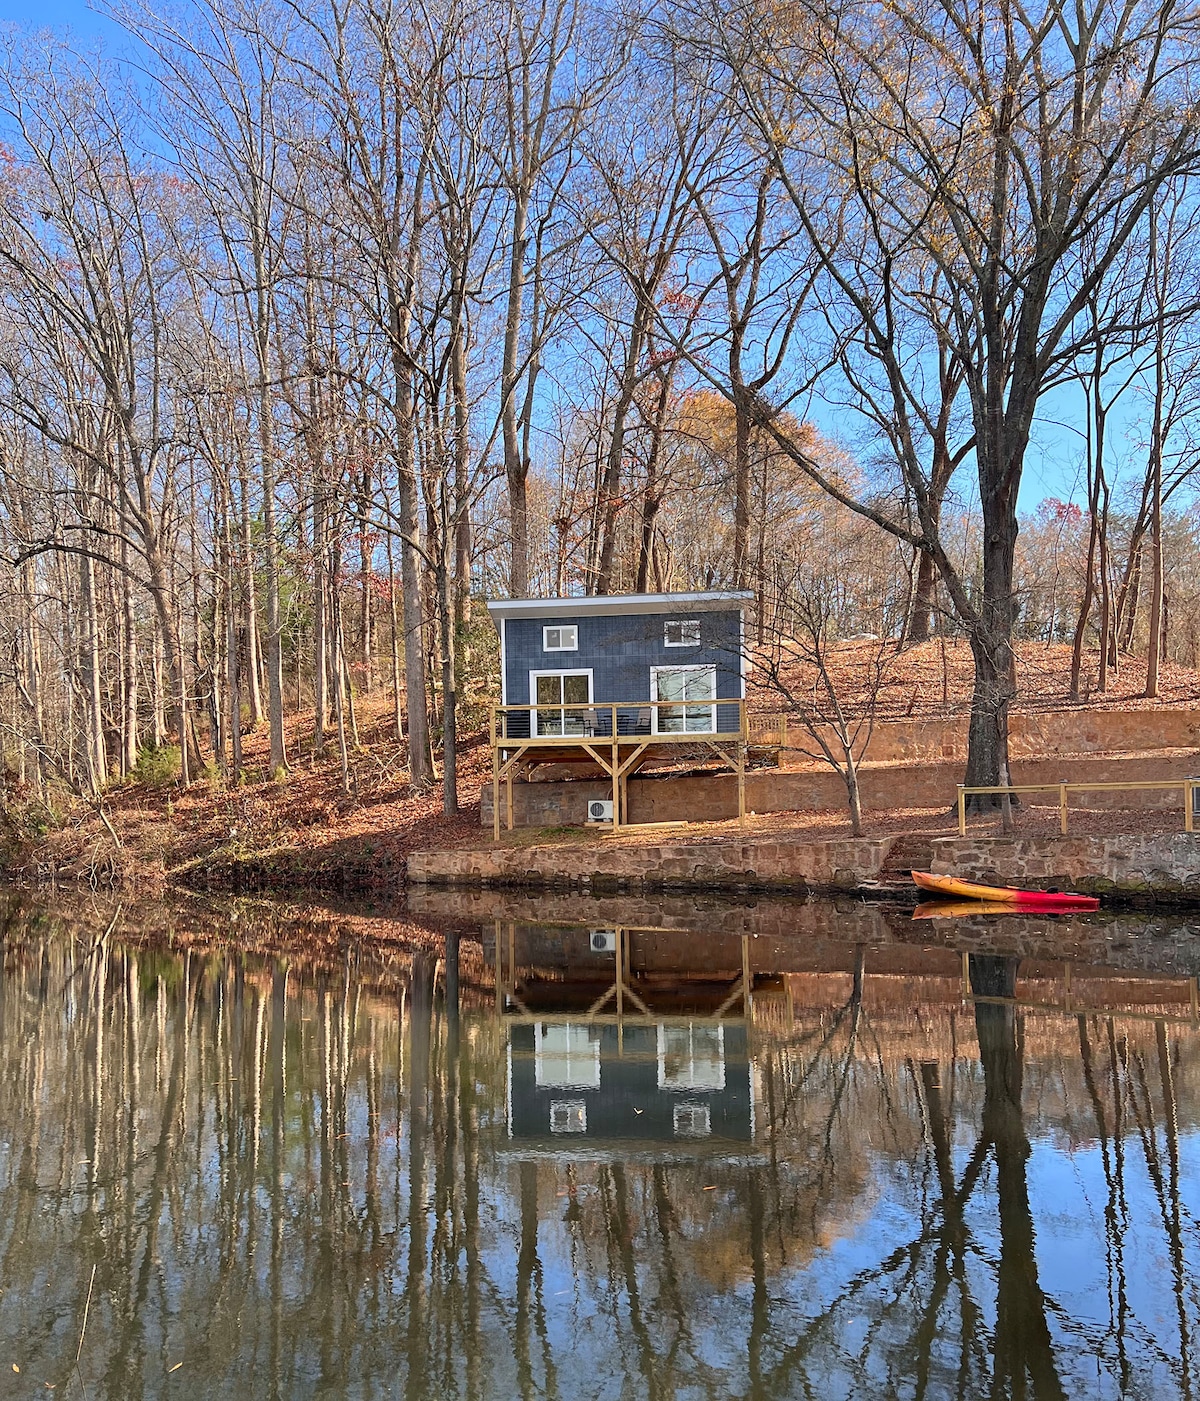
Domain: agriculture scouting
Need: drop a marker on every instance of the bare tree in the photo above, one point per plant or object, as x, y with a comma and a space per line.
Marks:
801, 664
908, 141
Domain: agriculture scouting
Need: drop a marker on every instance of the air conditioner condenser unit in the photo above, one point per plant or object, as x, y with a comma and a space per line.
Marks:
599, 810
603, 940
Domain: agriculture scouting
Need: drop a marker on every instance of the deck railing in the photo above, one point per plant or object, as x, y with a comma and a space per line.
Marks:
650, 722
1190, 787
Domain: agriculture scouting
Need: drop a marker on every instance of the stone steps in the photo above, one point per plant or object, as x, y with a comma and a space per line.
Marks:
911, 852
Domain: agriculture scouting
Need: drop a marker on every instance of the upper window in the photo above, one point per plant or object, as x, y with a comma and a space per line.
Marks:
683, 633
560, 639
568, 1116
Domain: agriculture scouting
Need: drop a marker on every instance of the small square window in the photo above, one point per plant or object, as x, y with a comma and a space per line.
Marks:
684, 633
568, 1116
561, 639
692, 1121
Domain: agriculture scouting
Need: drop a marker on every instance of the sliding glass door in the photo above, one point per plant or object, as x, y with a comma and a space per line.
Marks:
696, 687
554, 693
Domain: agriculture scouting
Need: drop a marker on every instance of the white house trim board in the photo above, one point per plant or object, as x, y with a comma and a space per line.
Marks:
503, 666
600, 605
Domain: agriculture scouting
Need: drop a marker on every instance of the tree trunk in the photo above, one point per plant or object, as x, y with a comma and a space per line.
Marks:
741, 470
172, 655
449, 687
516, 468
253, 660
853, 796
1085, 605
920, 616
420, 765
1154, 643
274, 622
1023, 1351
397, 707
320, 615
129, 697
610, 487
366, 618
90, 672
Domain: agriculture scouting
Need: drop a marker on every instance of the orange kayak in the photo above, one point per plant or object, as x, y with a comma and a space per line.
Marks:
1046, 900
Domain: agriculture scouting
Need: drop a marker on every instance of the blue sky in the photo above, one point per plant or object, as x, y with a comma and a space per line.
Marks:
57, 14
1053, 463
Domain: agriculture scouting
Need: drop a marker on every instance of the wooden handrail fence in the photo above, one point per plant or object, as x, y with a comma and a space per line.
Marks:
1188, 786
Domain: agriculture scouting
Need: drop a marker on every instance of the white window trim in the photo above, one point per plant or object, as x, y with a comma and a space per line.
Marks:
558, 627
683, 622
712, 705
540, 1055
557, 671
569, 1107
703, 1111
664, 1083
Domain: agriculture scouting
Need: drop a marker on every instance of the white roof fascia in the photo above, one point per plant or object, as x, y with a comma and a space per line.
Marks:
617, 604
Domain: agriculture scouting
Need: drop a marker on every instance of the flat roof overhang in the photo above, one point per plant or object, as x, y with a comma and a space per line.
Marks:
617, 605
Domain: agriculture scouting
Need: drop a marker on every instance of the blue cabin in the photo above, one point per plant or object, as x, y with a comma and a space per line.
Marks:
578, 1085
658, 665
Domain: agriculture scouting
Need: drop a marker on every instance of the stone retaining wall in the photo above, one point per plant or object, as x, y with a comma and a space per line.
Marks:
1033, 736
713, 797
769, 863
1161, 867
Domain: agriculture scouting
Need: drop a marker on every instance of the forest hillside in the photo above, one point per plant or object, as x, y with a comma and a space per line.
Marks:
321, 325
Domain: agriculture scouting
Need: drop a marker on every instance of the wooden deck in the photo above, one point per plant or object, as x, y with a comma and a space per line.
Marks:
619, 737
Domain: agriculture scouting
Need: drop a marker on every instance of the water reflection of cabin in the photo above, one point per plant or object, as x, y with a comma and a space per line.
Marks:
602, 1050
617, 681
680, 1083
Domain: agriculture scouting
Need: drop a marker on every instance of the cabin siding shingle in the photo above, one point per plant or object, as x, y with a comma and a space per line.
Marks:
620, 651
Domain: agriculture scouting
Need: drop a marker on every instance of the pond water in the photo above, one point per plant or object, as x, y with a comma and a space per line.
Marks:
690, 1155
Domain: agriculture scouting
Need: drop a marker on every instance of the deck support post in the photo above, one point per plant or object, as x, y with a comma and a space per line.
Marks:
616, 775
495, 788
747, 994
499, 968
741, 780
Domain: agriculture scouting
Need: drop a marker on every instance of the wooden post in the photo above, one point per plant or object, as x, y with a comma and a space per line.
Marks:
962, 811
1067, 987
747, 995
619, 968
616, 773
512, 955
1189, 805
741, 777
966, 975
509, 799
1062, 808
1195, 997
495, 784
499, 965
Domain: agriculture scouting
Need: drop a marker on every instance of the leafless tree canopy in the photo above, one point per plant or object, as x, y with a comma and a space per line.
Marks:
321, 322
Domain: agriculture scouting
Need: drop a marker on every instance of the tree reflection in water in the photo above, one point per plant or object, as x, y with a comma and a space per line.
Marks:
299, 1181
